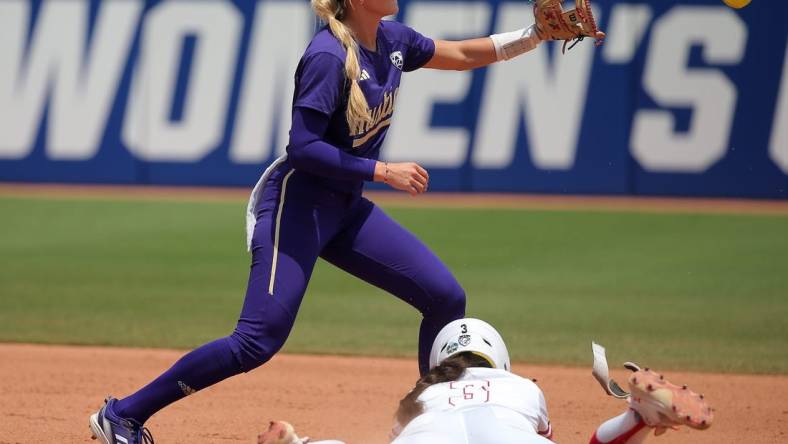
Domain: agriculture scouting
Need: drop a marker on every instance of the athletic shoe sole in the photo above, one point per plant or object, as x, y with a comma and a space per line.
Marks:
96, 430
678, 405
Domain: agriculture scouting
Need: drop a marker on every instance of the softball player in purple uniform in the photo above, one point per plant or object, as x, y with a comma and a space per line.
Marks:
308, 203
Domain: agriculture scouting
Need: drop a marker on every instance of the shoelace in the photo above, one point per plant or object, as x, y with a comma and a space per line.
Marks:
147, 438
144, 433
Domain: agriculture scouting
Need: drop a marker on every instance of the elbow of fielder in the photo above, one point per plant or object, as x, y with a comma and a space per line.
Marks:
466, 64
295, 155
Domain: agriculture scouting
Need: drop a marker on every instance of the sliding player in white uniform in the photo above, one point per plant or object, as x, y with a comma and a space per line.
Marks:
470, 396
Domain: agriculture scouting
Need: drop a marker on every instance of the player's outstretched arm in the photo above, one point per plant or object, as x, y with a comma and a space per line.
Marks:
462, 55
552, 23
475, 53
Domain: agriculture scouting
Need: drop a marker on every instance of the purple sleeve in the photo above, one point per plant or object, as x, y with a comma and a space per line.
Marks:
307, 151
420, 49
320, 83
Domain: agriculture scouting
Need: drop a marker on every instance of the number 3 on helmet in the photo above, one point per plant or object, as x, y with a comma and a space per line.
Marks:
470, 335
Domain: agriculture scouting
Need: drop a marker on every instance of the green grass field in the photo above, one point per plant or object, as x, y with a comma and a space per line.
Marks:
678, 291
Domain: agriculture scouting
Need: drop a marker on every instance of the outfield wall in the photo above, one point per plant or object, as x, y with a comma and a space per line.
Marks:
686, 97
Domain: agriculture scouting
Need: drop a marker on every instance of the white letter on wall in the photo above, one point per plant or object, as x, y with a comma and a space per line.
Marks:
410, 137
552, 95
628, 24
710, 94
778, 145
81, 79
148, 131
280, 34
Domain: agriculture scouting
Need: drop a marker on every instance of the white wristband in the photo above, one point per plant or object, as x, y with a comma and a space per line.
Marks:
509, 45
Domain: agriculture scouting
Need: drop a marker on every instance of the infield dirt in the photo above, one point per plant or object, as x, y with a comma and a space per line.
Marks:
48, 392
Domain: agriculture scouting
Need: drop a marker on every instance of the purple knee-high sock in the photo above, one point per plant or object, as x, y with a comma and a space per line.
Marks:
200, 368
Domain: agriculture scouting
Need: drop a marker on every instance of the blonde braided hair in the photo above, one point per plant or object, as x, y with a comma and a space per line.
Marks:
331, 12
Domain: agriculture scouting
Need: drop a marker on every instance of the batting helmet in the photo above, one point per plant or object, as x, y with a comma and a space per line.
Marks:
470, 335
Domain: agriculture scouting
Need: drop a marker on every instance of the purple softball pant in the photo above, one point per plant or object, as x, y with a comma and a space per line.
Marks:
296, 224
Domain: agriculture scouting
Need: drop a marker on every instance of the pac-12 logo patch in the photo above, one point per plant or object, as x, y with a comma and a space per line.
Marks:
452, 348
396, 59
464, 340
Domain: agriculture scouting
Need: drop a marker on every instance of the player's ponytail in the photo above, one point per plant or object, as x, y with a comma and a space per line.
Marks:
450, 369
332, 12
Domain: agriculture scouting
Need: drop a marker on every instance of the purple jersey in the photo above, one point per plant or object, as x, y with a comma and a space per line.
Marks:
320, 84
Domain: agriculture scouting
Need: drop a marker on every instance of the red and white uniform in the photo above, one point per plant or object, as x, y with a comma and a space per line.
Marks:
484, 406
